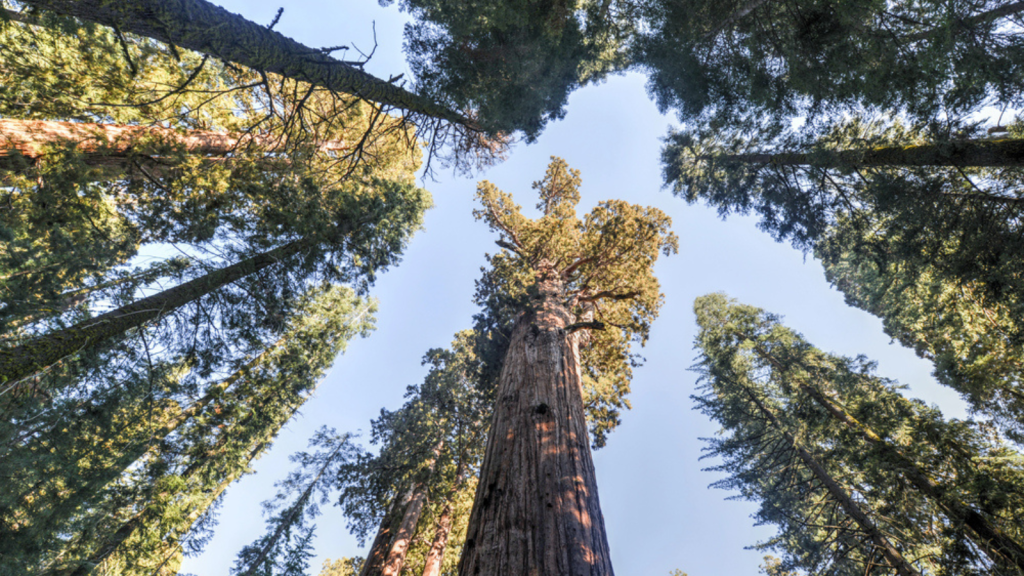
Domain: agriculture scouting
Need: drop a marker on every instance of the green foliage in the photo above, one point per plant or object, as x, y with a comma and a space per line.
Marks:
284, 549
131, 471
743, 59
934, 250
342, 567
605, 263
748, 359
513, 64
435, 439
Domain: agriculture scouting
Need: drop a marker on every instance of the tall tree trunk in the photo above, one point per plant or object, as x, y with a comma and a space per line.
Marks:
204, 27
26, 359
435, 555
963, 153
406, 530
536, 509
1000, 548
432, 565
73, 298
381, 546
112, 144
841, 496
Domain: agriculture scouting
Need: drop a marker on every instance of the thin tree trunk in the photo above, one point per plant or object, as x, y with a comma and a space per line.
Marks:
435, 555
432, 565
113, 144
26, 359
400, 545
963, 153
381, 546
73, 298
536, 509
849, 506
204, 27
1000, 548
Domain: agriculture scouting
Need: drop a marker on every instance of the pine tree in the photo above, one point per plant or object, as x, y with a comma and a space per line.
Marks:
568, 277
971, 340
203, 27
906, 458
296, 504
933, 249
358, 229
151, 511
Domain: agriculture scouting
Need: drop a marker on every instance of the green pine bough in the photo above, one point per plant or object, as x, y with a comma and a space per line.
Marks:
209, 29
21, 361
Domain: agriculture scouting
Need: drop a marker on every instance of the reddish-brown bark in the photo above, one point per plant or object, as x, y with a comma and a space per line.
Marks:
536, 509
432, 565
111, 144
403, 537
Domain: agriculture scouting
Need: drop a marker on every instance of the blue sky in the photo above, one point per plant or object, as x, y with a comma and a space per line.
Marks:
659, 512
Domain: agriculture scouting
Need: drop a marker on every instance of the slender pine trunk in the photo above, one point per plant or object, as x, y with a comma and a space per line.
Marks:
209, 29
536, 509
1000, 548
842, 497
962, 153
26, 359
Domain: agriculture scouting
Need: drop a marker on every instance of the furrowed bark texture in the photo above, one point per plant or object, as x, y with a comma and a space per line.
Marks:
26, 359
204, 27
536, 510
966, 153
843, 498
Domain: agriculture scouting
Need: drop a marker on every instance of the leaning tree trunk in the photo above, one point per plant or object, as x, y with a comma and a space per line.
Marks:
435, 555
536, 509
842, 497
403, 537
999, 547
432, 565
204, 27
26, 359
381, 546
113, 144
961, 153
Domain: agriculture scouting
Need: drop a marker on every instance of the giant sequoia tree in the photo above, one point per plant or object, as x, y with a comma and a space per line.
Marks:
583, 291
